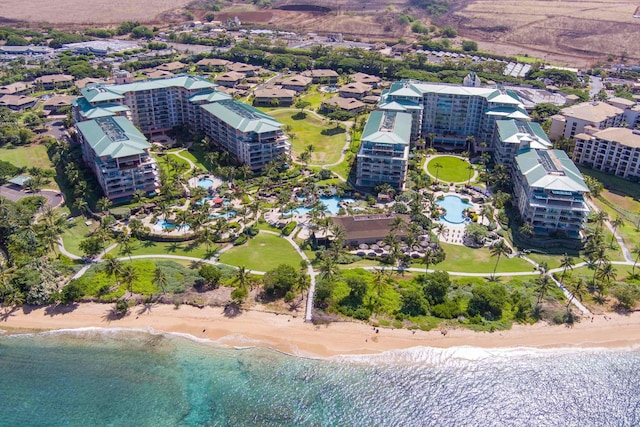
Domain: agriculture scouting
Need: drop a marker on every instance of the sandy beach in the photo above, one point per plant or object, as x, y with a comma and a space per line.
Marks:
291, 335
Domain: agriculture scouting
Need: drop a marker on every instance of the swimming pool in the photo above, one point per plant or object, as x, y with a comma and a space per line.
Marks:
226, 215
454, 207
162, 225
332, 204
205, 183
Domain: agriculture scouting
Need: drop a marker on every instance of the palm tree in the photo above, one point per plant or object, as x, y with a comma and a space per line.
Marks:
160, 279
437, 166
103, 204
112, 267
471, 170
615, 224
329, 269
397, 225
566, 262
497, 250
428, 259
242, 277
441, 230
526, 229
129, 275
543, 286
600, 218
379, 281
636, 252
605, 274
577, 290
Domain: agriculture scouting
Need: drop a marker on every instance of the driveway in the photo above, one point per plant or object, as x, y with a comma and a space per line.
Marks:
54, 198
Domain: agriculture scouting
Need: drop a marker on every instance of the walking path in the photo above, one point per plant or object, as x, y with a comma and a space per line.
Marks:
625, 251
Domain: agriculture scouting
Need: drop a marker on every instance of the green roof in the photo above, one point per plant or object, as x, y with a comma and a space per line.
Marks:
101, 92
243, 117
209, 96
550, 170
412, 88
517, 131
20, 180
88, 111
388, 127
113, 137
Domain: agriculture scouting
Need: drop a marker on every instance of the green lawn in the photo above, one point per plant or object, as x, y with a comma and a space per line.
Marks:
75, 232
315, 97
162, 163
309, 131
147, 247
454, 169
468, 260
27, 156
262, 253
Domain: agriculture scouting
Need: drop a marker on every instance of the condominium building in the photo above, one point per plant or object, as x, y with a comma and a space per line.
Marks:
573, 120
451, 113
154, 106
612, 150
384, 150
118, 154
253, 137
512, 136
158, 105
549, 192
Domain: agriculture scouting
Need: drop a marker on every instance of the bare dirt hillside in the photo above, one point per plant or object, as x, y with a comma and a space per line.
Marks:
575, 28
88, 11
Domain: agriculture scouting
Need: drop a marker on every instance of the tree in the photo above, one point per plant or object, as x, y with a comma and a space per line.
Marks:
618, 222
543, 286
210, 275
437, 166
497, 250
413, 302
103, 204
429, 258
129, 275
578, 290
280, 280
471, 171
526, 229
636, 252
160, 279
329, 269
242, 277
566, 262
112, 267
487, 301
435, 286
301, 104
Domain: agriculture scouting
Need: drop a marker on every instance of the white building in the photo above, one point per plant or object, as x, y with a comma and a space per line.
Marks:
573, 120
612, 150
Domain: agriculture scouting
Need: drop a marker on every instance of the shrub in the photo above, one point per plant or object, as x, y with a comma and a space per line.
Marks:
240, 240
122, 307
211, 275
288, 229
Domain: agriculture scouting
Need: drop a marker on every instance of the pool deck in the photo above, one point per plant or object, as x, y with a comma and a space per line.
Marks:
455, 232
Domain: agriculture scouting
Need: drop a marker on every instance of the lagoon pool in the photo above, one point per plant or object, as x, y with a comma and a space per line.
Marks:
162, 225
332, 204
226, 215
454, 208
205, 183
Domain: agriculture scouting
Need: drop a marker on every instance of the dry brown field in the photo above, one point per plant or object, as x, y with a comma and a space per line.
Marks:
574, 28
88, 11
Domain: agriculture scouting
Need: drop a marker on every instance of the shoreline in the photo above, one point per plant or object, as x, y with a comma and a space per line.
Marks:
291, 335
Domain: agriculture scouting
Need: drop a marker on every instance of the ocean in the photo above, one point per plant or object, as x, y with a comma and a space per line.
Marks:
96, 377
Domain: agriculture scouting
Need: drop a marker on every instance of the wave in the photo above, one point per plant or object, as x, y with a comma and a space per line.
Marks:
419, 355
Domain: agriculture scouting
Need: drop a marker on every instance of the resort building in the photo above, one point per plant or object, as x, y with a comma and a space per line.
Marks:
328, 77
297, 83
451, 113
118, 154
154, 106
337, 103
273, 96
251, 136
367, 79
18, 103
512, 136
18, 88
612, 150
573, 120
54, 81
359, 229
354, 90
549, 191
383, 155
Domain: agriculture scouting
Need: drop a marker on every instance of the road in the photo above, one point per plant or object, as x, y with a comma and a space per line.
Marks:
595, 85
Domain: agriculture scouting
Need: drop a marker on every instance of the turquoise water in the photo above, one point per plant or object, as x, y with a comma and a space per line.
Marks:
226, 215
331, 203
95, 378
205, 183
454, 207
162, 225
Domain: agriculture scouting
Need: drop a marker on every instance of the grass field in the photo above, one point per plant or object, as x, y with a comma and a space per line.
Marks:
262, 253
27, 156
75, 232
147, 247
309, 131
454, 169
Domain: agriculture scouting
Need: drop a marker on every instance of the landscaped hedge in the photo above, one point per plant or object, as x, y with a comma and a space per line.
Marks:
242, 239
288, 229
